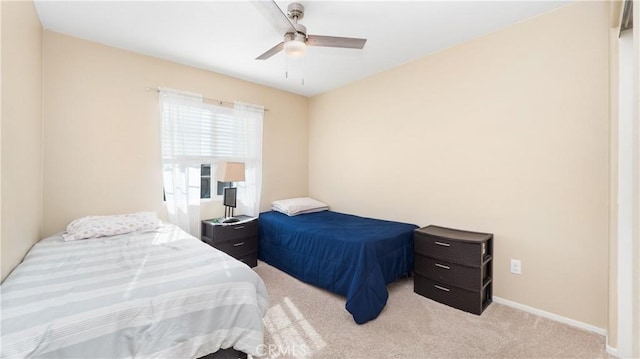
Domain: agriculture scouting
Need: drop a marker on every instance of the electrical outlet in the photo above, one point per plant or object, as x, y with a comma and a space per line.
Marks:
516, 266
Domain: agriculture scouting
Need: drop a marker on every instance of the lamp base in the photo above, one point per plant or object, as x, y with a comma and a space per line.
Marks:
230, 220
228, 211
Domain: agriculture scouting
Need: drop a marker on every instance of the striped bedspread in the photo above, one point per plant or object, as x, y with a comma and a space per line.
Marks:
157, 294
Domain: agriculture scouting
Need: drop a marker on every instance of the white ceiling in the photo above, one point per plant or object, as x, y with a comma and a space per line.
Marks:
227, 36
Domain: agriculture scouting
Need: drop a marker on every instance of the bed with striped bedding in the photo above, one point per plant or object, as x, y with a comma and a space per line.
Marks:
152, 294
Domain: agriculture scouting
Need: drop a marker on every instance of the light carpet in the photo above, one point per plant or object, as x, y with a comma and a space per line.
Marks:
307, 322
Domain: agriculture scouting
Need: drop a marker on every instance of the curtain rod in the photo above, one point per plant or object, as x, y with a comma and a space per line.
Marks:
210, 100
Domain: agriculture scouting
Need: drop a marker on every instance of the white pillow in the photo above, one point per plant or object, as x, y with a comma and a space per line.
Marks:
300, 205
101, 226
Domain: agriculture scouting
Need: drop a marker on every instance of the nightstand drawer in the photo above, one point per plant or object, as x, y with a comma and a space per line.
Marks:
237, 247
469, 301
454, 274
239, 239
233, 232
448, 250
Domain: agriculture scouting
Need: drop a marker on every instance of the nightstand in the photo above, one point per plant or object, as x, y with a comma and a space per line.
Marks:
238, 239
454, 267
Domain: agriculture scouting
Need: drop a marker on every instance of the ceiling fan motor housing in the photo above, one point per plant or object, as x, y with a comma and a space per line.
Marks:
297, 37
295, 11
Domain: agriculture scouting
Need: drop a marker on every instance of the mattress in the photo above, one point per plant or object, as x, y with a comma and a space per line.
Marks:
155, 294
346, 254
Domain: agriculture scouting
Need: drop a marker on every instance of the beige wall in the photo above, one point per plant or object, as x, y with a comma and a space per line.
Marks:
21, 213
508, 133
102, 149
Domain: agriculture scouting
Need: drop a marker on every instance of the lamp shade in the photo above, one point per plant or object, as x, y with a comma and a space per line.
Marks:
230, 172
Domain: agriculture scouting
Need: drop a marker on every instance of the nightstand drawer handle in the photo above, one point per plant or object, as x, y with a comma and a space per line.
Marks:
238, 244
443, 244
238, 227
442, 288
442, 266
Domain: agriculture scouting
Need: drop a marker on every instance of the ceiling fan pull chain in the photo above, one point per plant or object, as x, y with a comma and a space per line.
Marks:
286, 67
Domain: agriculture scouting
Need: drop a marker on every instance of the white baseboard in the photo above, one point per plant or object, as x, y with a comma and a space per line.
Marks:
557, 318
612, 351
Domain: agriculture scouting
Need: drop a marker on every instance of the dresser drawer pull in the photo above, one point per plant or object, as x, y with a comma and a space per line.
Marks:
443, 244
238, 227
442, 266
238, 244
442, 288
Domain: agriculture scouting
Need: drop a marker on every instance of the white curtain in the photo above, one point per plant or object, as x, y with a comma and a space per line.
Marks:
181, 120
249, 119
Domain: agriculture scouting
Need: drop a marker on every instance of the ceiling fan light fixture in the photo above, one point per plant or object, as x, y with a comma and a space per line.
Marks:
296, 39
295, 48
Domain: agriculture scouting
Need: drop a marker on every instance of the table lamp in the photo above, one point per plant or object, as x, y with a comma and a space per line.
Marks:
230, 172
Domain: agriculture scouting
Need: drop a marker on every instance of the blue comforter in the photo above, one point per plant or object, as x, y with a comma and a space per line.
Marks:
348, 255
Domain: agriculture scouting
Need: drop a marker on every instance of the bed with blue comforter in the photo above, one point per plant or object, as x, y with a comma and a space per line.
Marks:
349, 255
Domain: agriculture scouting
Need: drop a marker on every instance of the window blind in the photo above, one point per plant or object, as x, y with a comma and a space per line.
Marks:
205, 132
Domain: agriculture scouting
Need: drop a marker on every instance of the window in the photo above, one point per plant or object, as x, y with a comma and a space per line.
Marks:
206, 183
221, 186
208, 134
195, 137
202, 135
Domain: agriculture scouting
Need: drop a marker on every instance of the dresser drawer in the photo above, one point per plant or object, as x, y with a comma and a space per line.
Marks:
450, 273
237, 247
233, 232
469, 301
453, 251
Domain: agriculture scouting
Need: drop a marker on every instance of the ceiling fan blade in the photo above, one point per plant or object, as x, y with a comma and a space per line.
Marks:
276, 17
272, 51
333, 41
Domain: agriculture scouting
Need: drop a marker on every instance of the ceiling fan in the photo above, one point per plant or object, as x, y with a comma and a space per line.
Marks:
296, 39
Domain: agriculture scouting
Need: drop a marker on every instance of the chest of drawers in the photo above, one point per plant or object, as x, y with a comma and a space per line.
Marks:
454, 267
239, 240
